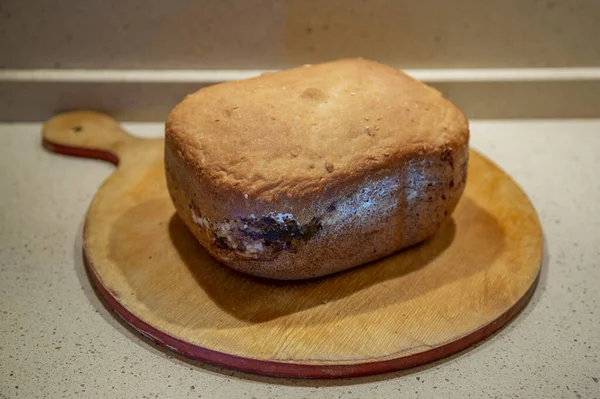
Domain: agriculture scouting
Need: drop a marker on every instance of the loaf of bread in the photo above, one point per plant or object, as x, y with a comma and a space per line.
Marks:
317, 169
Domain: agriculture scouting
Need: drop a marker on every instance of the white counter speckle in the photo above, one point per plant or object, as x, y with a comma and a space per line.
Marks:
57, 340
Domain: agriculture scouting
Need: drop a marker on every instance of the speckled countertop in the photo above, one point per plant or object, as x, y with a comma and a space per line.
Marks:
57, 340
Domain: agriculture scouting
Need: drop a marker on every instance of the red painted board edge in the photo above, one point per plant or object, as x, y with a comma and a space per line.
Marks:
294, 370
81, 152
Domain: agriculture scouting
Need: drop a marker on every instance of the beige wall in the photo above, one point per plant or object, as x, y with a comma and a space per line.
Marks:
264, 34
251, 35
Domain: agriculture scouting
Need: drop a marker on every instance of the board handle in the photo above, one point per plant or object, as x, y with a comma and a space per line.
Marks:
86, 134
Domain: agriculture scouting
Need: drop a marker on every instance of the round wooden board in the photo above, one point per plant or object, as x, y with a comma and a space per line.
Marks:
411, 308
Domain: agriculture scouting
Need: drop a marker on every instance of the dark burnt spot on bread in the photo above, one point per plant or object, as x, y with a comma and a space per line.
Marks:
221, 243
329, 166
262, 238
311, 228
447, 156
273, 231
195, 211
331, 207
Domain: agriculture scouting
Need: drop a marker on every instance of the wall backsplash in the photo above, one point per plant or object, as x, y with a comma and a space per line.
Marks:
494, 59
268, 34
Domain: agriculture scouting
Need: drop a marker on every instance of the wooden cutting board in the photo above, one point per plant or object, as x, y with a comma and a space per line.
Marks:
414, 307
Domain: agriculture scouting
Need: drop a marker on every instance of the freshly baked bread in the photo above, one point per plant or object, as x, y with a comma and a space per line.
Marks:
317, 169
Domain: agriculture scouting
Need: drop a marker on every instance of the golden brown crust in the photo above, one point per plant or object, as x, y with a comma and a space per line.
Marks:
297, 131
317, 169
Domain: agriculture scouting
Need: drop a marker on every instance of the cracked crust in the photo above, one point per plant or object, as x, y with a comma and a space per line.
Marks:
317, 169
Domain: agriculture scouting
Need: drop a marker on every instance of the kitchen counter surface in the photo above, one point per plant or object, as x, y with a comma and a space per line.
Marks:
57, 340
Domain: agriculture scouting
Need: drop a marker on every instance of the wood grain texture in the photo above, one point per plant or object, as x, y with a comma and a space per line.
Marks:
413, 307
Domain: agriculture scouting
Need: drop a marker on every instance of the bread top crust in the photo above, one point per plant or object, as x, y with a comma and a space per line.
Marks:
297, 131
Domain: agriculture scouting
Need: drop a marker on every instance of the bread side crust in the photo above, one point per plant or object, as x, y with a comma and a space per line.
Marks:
344, 226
